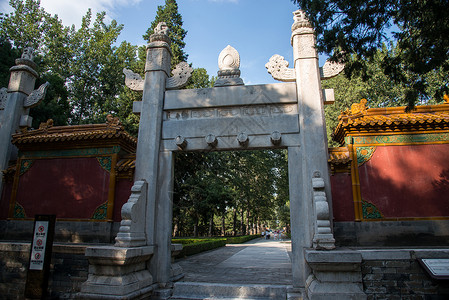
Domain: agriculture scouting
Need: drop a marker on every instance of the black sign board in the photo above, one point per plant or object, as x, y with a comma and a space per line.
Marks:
40, 257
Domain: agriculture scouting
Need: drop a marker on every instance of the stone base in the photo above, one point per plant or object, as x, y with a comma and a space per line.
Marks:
336, 275
117, 273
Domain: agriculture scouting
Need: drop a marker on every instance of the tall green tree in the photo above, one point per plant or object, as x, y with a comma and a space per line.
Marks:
169, 14
360, 27
379, 90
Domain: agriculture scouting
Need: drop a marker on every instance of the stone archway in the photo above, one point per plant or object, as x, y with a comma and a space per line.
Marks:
230, 116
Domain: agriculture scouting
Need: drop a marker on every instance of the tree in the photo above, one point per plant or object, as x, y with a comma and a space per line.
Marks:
360, 27
379, 90
169, 14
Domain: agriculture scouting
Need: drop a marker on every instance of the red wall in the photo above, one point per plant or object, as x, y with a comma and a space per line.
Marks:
122, 193
407, 181
342, 201
66, 187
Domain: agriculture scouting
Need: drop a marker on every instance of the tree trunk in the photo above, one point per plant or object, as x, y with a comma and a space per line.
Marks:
248, 227
195, 228
242, 223
211, 224
223, 224
234, 229
175, 227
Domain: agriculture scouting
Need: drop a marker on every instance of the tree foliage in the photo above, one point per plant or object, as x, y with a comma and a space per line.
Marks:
240, 191
360, 27
379, 90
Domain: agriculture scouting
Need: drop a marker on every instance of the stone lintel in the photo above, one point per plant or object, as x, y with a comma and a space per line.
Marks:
231, 96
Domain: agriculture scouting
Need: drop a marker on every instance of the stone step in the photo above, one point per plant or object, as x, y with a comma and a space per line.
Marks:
222, 291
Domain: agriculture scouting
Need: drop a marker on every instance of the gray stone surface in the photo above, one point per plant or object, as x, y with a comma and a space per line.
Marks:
256, 262
259, 269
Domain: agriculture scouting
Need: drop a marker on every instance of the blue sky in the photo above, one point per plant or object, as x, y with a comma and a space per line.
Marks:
257, 29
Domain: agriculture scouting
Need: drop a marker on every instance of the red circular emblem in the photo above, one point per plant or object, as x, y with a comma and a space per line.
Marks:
41, 228
37, 255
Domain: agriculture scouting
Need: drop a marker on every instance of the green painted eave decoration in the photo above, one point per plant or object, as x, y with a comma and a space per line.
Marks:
100, 212
402, 138
364, 154
105, 162
19, 211
25, 165
370, 211
72, 152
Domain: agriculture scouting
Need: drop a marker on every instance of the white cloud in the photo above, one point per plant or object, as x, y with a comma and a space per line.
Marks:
71, 12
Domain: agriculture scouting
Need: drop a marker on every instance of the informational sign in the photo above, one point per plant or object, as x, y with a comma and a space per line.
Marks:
38, 247
438, 268
40, 257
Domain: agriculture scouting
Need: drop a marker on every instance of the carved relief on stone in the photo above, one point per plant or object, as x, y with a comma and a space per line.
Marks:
277, 66
331, 69
36, 96
181, 75
133, 80
229, 64
3, 98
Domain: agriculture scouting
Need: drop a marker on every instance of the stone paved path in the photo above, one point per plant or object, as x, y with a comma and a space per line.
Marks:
256, 262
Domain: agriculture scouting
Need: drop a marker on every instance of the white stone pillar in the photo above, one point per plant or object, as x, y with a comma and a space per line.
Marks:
313, 152
21, 85
157, 70
161, 262
300, 212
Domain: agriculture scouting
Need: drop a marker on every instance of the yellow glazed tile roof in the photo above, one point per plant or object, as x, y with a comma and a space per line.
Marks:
76, 135
361, 120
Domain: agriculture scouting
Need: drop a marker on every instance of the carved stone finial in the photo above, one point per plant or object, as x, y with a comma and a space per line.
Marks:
300, 20
161, 28
229, 59
229, 65
36, 96
28, 53
181, 75
160, 33
277, 66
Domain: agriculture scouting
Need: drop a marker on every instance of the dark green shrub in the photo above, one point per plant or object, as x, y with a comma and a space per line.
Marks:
241, 239
194, 246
